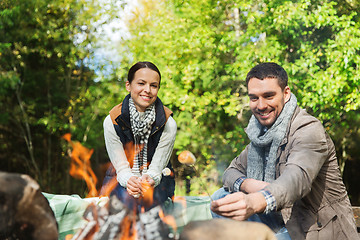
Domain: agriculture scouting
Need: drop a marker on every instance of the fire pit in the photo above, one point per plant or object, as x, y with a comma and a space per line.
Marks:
116, 221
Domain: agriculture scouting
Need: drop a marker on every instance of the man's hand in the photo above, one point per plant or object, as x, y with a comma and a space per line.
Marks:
251, 185
133, 186
239, 206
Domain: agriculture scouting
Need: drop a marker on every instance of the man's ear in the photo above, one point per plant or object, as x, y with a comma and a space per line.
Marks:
287, 93
127, 85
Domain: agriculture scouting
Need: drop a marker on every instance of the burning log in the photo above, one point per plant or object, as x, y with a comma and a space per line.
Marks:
116, 221
220, 228
24, 212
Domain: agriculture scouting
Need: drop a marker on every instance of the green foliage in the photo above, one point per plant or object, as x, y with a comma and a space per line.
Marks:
187, 40
205, 48
52, 81
45, 88
318, 43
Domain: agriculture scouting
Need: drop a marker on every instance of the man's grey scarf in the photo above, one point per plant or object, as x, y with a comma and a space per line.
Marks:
141, 128
258, 166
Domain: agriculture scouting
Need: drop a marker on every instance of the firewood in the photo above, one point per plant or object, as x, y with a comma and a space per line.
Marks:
24, 212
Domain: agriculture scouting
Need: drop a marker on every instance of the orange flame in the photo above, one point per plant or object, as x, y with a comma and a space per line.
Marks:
147, 193
69, 237
169, 220
128, 229
80, 165
108, 187
131, 151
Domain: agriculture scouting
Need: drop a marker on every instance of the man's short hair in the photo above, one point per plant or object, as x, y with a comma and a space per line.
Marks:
268, 70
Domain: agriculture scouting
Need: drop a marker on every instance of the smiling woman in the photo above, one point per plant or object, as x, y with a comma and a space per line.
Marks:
139, 136
144, 87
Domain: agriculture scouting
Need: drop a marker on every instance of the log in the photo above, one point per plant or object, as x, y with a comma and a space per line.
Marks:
24, 212
356, 211
220, 228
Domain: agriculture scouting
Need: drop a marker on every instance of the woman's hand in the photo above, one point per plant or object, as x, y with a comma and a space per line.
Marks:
146, 183
133, 186
148, 179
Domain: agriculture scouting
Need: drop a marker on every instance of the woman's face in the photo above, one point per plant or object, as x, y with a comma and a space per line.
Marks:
144, 88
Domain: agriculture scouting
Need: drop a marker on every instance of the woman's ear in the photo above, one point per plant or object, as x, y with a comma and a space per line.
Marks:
127, 85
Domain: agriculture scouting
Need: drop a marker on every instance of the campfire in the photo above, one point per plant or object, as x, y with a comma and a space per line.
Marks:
114, 220
108, 218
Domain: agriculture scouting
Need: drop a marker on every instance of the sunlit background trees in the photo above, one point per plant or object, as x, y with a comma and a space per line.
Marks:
63, 65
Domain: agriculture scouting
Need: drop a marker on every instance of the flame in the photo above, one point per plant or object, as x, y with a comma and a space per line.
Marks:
147, 193
69, 237
80, 165
131, 150
169, 220
109, 187
128, 229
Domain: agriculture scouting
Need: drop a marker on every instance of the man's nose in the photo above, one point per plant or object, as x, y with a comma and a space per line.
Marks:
261, 104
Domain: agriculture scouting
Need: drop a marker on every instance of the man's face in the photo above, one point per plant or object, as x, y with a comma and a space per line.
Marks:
267, 99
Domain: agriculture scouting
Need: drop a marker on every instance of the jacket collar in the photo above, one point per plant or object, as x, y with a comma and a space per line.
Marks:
285, 139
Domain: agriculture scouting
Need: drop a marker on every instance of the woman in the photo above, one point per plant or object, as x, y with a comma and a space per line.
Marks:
139, 136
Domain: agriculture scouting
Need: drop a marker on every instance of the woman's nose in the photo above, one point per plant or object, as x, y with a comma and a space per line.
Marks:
147, 88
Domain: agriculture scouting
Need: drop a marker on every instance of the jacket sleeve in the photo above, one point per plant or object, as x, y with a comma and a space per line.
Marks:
116, 152
236, 170
163, 151
306, 154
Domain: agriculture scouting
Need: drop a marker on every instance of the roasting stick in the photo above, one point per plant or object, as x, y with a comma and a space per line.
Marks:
187, 158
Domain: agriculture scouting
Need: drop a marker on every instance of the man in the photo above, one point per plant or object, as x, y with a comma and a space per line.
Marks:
289, 171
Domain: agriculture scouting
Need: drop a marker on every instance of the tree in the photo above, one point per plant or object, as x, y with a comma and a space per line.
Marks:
45, 86
205, 48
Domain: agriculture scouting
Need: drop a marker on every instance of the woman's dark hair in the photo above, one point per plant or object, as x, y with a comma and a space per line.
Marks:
268, 70
140, 65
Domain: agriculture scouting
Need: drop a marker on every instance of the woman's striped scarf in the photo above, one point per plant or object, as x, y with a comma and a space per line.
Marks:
141, 128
